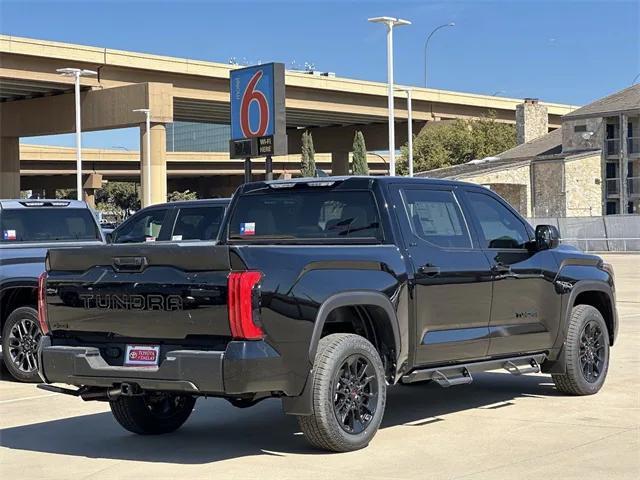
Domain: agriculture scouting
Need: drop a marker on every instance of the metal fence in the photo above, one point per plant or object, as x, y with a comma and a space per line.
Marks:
611, 233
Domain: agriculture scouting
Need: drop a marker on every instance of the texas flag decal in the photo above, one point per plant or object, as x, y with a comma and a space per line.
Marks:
248, 228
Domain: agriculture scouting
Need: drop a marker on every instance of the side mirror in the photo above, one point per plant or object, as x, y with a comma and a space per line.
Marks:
108, 237
547, 236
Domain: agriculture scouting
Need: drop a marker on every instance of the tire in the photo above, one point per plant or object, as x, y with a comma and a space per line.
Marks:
152, 413
363, 397
20, 337
586, 353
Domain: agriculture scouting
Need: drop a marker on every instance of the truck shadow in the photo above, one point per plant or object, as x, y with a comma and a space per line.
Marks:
217, 431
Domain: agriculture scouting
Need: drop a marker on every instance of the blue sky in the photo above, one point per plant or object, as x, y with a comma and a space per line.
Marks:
558, 50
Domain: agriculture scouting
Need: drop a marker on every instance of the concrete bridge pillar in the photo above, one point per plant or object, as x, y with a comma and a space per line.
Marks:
158, 163
9, 167
340, 163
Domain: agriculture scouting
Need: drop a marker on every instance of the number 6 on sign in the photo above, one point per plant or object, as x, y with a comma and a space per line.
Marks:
249, 96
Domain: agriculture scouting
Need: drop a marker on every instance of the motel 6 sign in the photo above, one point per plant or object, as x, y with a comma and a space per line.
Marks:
257, 111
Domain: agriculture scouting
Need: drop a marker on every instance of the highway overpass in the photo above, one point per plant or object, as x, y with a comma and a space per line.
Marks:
35, 100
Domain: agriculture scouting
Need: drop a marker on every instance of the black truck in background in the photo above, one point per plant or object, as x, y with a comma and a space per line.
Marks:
324, 292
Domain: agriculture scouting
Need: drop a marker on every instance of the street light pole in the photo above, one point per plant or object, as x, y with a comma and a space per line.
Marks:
426, 44
77, 73
390, 22
147, 172
409, 91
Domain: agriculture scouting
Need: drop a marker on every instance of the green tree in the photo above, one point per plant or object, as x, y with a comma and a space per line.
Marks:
66, 193
359, 164
308, 164
448, 143
186, 195
118, 198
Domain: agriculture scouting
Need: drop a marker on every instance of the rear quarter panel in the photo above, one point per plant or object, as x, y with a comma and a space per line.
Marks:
299, 279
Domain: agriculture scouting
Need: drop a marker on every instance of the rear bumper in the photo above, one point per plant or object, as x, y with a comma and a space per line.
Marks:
244, 367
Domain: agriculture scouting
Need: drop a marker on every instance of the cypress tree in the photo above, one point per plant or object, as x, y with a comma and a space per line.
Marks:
359, 164
308, 164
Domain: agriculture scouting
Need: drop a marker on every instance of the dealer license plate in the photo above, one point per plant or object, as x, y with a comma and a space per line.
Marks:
142, 356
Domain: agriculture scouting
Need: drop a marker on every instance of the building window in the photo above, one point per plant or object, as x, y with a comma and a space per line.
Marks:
198, 137
580, 128
612, 208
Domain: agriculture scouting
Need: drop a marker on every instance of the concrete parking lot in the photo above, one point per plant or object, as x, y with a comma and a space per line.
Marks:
500, 426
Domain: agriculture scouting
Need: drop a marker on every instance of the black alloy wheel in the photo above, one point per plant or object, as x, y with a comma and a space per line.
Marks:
355, 394
592, 351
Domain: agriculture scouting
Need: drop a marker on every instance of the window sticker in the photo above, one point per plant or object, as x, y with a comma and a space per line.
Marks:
9, 235
176, 238
150, 239
248, 228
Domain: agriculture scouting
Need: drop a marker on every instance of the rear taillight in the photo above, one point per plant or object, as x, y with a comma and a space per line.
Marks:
42, 303
243, 305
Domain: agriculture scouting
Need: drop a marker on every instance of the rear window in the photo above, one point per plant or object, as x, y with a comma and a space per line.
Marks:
144, 226
47, 225
305, 214
198, 223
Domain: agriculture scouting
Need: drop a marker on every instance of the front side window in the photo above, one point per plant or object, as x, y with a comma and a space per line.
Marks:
143, 228
305, 214
198, 223
47, 225
434, 216
500, 227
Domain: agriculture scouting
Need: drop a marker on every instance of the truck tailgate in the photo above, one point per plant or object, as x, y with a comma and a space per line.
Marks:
169, 292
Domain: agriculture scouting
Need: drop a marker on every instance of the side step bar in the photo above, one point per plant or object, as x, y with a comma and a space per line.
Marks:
448, 376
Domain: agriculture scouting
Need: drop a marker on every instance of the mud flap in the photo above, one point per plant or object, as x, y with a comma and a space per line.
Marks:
558, 365
303, 403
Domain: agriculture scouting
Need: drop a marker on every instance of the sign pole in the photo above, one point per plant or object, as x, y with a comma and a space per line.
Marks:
268, 167
247, 170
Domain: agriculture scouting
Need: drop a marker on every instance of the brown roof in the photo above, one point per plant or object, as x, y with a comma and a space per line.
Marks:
545, 145
455, 171
622, 101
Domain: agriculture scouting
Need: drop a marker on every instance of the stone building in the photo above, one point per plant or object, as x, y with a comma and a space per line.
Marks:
589, 166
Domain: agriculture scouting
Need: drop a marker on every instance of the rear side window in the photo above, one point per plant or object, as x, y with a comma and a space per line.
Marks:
144, 227
34, 224
499, 226
305, 214
434, 216
198, 223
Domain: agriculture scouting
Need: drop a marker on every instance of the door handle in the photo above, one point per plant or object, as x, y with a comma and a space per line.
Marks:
429, 270
501, 268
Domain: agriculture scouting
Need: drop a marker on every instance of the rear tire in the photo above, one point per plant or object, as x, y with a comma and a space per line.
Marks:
586, 353
20, 337
152, 413
348, 396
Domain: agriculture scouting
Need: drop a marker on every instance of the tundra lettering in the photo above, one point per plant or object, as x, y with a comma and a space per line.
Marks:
132, 302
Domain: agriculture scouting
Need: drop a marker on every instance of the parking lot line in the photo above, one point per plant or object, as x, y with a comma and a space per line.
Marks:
27, 398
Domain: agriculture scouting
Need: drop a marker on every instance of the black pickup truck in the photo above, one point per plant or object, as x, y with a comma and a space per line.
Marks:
324, 292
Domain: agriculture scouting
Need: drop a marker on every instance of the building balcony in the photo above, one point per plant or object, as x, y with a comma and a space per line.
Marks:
612, 147
612, 187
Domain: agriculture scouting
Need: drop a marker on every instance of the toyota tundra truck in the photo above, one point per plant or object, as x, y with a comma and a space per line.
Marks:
325, 292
